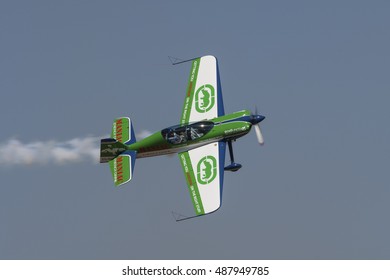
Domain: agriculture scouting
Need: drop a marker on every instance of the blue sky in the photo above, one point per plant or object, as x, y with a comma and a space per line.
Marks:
319, 72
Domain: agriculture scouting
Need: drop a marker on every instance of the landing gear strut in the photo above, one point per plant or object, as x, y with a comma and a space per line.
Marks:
233, 166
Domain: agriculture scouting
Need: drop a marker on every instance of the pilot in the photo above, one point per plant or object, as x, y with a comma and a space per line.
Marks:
174, 138
188, 132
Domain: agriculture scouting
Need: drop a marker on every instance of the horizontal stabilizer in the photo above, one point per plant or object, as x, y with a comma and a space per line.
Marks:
122, 167
115, 151
122, 130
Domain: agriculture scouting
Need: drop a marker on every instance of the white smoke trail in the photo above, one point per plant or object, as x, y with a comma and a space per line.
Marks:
14, 152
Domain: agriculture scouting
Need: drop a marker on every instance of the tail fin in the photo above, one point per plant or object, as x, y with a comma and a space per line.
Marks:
113, 150
110, 149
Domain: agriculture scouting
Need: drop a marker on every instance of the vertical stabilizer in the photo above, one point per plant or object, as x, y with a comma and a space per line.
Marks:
110, 148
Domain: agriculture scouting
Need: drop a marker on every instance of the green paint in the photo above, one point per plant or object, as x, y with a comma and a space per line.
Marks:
120, 130
191, 183
232, 116
121, 169
204, 98
206, 170
156, 142
230, 130
152, 142
111, 149
185, 116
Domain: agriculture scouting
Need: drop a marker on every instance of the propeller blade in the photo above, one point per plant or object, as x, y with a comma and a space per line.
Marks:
259, 135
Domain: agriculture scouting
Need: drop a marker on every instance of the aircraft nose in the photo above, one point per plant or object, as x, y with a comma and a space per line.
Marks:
257, 118
260, 118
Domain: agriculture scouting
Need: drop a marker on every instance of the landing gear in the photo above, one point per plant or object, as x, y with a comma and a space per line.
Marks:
233, 166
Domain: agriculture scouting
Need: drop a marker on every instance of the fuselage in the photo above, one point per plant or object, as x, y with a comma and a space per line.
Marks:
184, 137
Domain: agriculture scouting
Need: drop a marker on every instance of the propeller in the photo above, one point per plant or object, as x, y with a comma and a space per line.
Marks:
256, 122
259, 135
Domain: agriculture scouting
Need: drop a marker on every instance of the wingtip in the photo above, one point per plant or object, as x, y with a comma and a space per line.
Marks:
177, 216
176, 60
180, 217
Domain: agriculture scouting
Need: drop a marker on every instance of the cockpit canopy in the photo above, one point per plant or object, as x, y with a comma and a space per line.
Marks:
180, 134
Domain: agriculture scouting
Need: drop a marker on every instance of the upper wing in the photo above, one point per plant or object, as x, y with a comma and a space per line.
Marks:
204, 168
204, 94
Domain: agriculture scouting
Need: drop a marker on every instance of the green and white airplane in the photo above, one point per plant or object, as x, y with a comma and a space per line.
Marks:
200, 139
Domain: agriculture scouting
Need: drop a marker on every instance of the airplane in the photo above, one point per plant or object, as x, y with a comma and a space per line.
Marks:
200, 139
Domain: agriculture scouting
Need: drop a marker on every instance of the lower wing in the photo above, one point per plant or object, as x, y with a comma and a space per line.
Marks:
204, 169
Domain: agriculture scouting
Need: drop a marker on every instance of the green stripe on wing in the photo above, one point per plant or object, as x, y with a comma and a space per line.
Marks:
185, 116
191, 183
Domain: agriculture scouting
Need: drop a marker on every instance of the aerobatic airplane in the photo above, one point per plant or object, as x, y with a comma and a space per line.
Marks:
200, 139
